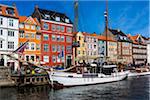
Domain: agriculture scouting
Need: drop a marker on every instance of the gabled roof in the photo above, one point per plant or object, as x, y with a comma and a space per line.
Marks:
5, 8
117, 32
51, 15
134, 38
24, 19
88, 34
100, 37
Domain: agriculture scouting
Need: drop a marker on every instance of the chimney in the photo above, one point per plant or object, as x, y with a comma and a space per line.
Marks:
14, 5
118, 30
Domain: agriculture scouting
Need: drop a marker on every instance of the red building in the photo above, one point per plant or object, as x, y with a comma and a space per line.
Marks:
56, 37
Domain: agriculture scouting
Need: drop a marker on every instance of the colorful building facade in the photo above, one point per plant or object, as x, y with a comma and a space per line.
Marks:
29, 29
91, 46
81, 51
139, 50
148, 51
8, 34
56, 37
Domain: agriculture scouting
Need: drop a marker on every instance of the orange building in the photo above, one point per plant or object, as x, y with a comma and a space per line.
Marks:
29, 29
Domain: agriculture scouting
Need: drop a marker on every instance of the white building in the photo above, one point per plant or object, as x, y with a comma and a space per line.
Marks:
8, 33
148, 51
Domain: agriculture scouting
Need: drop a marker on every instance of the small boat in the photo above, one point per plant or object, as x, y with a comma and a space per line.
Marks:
108, 73
139, 72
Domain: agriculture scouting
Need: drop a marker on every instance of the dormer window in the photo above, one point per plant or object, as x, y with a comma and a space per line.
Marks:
47, 16
10, 11
57, 18
67, 20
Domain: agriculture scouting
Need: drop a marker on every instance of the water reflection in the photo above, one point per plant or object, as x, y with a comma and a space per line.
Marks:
137, 88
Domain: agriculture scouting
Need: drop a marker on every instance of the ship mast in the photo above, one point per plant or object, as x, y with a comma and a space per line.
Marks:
75, 25
106, 27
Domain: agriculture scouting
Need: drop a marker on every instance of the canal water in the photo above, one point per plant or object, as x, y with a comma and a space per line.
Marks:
137, 88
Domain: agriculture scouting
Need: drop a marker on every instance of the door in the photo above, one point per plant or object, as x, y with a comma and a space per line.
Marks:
69, 61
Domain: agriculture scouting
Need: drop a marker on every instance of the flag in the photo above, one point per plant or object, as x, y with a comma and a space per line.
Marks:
21, 48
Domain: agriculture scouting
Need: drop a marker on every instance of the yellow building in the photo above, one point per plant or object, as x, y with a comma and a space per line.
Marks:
81, 51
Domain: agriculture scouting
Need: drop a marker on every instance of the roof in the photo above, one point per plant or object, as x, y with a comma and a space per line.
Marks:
5, 8
134, 38
88, 34
100, 37
116, 32
51, 15
23, 19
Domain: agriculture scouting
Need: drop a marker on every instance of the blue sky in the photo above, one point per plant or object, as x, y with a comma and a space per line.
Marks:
129, 16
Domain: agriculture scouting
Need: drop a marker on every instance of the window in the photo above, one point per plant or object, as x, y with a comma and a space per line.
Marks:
1, 32
33, 27
69, 30
1, 21
10, 45
27, 47
67, 20
38, 28
79, 52
94, 46
53, 38
62, 28
26, 35
32, 58
21, 35
27, 58
32, 46
45, 26
53, 48
46, 58
1, 44
47, 16
69, 49
58, 48
11, 23
63, 48
57, 18
32, 35
68, 39
62, 38
37, 46
20, 43
27, 26
79, 37
58, 28
21, 26
46, 48
54, 59
46, 37
10, 33
58, 38
10, 11
38, 37
53, 27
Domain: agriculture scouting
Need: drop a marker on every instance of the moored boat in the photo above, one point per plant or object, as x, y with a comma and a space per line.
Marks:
87, 78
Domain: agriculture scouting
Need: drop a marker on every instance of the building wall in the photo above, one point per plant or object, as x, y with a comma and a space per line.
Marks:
139, 53
33, 52
101, 48
8, 40
81, 51
112, 51
91, 47
125, 51
57, 57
